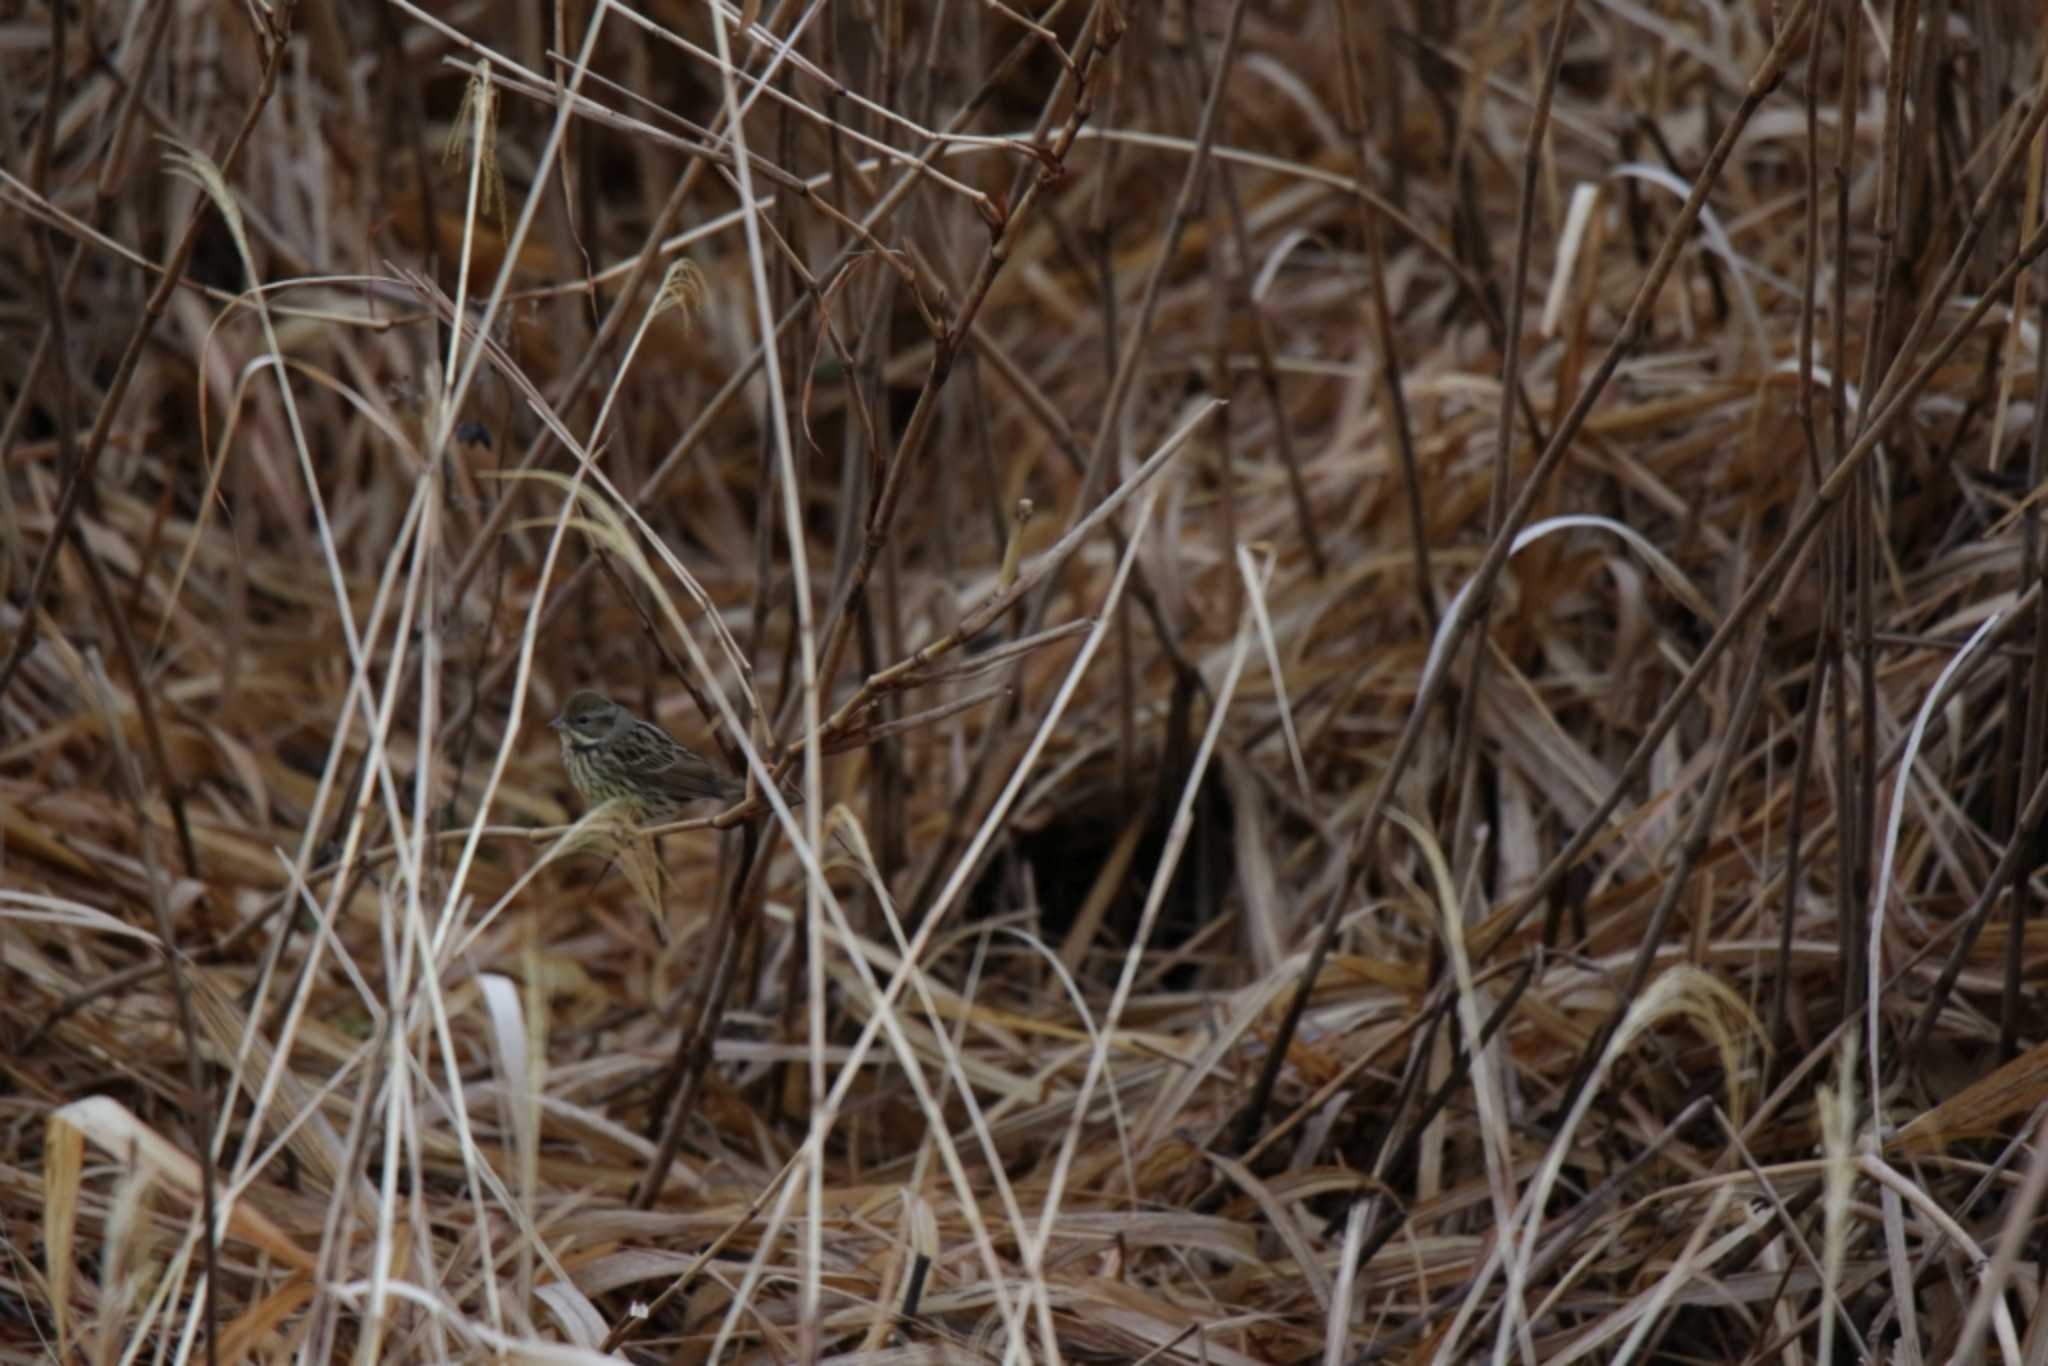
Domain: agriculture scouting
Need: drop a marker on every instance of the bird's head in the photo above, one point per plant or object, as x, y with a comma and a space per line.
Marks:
588, 716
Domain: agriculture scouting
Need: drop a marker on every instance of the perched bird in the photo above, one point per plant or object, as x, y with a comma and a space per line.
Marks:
610, 752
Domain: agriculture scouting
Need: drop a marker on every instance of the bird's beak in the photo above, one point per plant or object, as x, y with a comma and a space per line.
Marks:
558, 723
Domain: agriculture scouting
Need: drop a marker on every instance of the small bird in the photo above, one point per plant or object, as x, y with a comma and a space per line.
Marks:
610, 752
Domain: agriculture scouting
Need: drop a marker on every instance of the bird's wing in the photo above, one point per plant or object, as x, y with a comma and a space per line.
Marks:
661, 762
648, 751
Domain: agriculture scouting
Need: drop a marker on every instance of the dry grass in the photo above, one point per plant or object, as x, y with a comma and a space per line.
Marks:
1495, 840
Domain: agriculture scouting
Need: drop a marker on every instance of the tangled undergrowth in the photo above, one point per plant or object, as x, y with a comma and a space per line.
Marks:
1382, 656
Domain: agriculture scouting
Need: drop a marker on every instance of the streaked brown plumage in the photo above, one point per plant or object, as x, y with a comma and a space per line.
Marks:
610, 752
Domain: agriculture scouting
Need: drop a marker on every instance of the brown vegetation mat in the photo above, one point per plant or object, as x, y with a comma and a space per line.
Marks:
1139, 942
